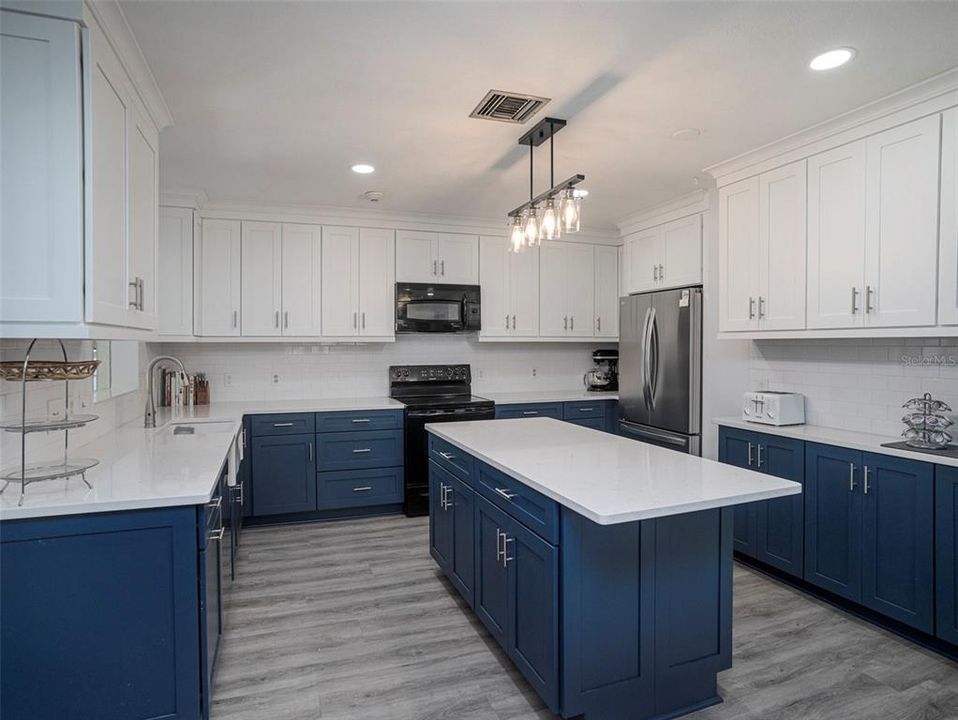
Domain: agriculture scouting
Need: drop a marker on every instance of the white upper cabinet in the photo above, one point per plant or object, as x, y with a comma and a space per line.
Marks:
261, 279
144, 218
425, 257
664, 256
377, 283
510, 289
738, 255
901, 225
216, 272
340, 282
606, 267
301, 278
358, 282
782, 246
566, 290
836, 236
41, 190
175, 261
948, 224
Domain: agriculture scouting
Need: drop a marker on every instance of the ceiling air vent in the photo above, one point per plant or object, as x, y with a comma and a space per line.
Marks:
508, 106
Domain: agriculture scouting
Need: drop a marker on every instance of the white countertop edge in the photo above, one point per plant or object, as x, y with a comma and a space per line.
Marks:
837, 437
615, 518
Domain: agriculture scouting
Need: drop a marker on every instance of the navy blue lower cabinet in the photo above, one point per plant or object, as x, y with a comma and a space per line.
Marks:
284, 474
946, 553
99, 616
492, 577
897, 539
359, 488
780, 523
440, 518
737, 447
358, 450
210, 526
833, 498
527, 410
461, 503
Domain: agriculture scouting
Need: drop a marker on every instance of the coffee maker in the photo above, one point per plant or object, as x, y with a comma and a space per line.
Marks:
605, 374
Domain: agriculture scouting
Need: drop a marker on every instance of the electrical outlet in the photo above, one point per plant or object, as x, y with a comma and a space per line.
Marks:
227, 379
534, 372
479, 373
275, 378
55, 408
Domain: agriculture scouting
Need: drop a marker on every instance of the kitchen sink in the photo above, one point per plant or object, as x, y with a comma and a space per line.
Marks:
192, 429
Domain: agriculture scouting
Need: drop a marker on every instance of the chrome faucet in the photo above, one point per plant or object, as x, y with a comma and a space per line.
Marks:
149, 415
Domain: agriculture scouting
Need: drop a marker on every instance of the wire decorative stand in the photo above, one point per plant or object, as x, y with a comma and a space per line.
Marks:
33, 371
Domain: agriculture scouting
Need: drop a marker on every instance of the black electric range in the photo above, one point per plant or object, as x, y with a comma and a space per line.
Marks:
431, 394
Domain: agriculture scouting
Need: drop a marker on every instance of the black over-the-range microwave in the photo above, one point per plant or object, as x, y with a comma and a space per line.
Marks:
434, 308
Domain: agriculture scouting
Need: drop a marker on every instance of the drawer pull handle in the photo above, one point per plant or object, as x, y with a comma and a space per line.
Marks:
530, 412
357, 451
446, 456
286, 424
361, 420
215, 504
505, 493
217, 534
586, 409
365, 488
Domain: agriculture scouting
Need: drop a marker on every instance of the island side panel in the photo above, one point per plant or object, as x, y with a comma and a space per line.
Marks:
607, 618
693, 607
646, 614
99, 616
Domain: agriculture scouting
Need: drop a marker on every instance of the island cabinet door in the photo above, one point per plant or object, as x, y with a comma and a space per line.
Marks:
461, 505
946, 553
492, 575
833, 497
440, 517
897, 539
533, 630
780, 522
738, 447
284, 474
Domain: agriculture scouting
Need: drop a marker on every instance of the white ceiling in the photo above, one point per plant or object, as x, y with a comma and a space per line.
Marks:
273, 101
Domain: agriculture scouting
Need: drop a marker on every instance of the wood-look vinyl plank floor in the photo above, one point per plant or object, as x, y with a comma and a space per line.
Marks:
352, 620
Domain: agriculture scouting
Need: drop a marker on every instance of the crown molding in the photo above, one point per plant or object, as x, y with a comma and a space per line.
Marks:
690, 204
109, 15
927, 97
192, 198
361, 217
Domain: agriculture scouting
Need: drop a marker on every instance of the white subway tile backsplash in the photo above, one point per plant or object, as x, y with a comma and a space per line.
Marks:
858, 384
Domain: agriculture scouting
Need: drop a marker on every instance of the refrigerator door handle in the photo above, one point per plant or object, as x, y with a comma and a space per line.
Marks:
644, 370
653, 358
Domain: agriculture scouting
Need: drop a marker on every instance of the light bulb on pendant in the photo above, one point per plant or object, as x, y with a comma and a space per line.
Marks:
570, 211
517, 237
549, 227
532, 226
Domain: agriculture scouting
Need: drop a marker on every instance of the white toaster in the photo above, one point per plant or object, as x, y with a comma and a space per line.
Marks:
774, 408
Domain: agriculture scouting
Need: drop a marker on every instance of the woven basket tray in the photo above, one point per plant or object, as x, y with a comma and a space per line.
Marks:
48, 370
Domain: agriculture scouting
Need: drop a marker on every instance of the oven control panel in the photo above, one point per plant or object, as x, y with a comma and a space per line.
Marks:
429, 373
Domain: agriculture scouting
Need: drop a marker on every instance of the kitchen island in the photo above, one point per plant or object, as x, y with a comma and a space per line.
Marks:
603, 566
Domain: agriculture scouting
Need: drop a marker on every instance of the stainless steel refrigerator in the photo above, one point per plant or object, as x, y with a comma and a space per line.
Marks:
660, 368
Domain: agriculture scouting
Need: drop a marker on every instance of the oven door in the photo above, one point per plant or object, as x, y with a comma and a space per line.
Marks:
424, 308
416, 476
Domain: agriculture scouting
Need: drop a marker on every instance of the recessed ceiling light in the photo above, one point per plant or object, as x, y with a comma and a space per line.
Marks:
686, 134
832, 59
580, 192
363, 169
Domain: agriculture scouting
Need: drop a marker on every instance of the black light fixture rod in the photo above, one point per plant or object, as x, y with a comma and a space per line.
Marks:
551, 192
552, 157
530, 173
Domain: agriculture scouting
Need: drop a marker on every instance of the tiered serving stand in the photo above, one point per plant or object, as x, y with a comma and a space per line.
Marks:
31, 370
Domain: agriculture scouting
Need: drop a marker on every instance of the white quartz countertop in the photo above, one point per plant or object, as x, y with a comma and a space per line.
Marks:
150, 468
541, 396
606, 478
865, 442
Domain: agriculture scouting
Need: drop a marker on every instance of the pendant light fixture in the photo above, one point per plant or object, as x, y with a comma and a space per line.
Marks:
561, 207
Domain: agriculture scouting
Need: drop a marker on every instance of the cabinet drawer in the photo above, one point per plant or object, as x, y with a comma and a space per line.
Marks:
349, 421
584, 409
531, 508
451, 458
553, 410
594, 423
286, 424
359, 488
358, 450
